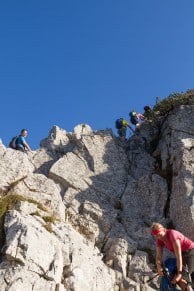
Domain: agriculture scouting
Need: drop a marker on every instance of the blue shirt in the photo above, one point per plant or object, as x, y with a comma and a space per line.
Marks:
20, 141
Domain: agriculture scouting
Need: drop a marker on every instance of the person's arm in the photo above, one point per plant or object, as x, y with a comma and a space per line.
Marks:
159, 251
177, 250
130, 128
26, 146
139, 115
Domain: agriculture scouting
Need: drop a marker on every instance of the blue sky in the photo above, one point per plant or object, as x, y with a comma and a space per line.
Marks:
67, 62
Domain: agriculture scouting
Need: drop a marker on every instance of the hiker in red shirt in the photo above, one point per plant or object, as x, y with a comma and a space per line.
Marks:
181, 246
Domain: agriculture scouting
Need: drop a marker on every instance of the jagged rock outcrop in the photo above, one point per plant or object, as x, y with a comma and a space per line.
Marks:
76, 214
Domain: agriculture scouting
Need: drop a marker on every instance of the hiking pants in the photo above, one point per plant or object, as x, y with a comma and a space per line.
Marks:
188, 260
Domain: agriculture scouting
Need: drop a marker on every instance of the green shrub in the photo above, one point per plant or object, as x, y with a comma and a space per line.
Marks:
174, 100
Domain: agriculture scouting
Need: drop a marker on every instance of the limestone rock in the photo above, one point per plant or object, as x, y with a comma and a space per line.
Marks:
14, 167
43, 190
85, 201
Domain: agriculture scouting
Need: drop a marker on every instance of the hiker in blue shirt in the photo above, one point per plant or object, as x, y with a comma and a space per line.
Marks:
21, 144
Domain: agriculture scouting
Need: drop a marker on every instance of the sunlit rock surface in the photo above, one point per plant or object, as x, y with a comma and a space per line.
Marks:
83, 203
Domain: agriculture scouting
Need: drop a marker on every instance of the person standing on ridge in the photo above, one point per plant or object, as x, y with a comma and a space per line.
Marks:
181, 246
21, 144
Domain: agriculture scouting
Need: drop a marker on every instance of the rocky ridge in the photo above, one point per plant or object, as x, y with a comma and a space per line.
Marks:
76, 214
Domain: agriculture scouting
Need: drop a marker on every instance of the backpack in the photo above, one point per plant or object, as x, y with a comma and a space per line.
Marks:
134, 120
12, 143
119, 123
170, 271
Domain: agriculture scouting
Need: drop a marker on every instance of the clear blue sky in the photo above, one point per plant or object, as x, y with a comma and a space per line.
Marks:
67, 62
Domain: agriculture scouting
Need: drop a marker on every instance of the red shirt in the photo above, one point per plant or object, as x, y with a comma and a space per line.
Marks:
171, 236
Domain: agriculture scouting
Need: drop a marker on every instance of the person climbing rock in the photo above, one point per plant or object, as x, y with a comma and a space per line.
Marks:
121, 126
136, 118
182, 247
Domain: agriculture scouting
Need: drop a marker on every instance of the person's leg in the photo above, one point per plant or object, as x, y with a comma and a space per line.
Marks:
20, 148
188, 272
124, 132
119, 132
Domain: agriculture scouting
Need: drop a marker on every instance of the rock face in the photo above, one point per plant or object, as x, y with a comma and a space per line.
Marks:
76, 214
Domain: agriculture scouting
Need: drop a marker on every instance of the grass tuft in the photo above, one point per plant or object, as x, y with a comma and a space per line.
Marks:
7, 203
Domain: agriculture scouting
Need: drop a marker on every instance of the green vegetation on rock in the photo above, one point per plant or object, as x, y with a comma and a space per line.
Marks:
174, 100
7, 203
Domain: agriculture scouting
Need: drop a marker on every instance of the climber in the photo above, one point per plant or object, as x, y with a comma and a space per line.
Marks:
121, 126
21, 144
136, 118
147, 112
147, 108
182, 247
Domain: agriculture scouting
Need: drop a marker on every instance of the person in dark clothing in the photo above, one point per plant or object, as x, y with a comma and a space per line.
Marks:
147, 112
147, 108
136, 118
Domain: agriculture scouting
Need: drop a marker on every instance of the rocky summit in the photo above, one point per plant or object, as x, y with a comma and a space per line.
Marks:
75, 214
